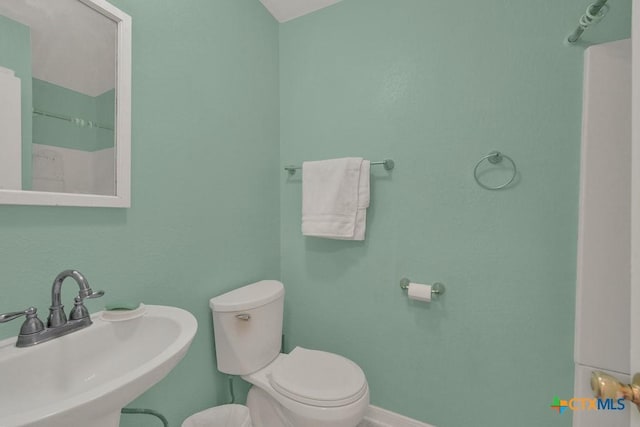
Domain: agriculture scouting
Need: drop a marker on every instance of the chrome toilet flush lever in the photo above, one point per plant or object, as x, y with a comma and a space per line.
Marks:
33, 330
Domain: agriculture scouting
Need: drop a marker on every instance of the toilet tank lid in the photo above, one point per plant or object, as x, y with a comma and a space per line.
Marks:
248, 297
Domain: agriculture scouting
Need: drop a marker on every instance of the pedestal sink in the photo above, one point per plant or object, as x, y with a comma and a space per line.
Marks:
85, 378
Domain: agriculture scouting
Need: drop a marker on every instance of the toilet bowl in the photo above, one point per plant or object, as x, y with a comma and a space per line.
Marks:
309, 388
305, 388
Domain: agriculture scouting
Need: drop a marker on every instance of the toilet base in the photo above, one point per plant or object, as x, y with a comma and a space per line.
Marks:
225, 415
264, 411
267, 412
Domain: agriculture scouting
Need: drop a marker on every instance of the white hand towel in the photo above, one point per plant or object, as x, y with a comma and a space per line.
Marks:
335, 196
363, 200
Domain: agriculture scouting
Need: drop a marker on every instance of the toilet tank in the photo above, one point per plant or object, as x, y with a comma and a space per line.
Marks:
247, 324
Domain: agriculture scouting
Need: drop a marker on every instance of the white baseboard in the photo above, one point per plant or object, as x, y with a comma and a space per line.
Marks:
378, 417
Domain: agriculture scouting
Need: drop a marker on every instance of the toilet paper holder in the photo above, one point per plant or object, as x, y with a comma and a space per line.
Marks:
437, 289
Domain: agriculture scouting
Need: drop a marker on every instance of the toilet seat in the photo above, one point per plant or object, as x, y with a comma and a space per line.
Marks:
318, 378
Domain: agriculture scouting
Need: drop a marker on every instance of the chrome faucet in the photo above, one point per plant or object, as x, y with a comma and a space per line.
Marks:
57, 317
33, 330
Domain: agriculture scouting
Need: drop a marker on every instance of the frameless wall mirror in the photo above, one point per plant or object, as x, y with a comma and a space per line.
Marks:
65, 103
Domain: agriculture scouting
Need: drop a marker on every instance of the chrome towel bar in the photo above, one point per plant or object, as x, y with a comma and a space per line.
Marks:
387, 163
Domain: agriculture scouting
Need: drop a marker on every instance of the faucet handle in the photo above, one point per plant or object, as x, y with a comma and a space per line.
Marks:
79, 311
89, 294
95, 294
7, 317
30, 326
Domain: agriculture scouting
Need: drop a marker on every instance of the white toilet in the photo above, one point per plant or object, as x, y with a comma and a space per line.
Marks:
305, 388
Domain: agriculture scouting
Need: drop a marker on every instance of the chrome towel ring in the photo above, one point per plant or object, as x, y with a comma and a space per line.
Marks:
495, 157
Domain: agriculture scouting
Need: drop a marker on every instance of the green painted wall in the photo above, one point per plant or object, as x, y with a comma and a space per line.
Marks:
15, 54
436, 86
58, 100
205, 196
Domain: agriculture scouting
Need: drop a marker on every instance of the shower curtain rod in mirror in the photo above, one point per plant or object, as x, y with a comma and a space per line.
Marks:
73, 120
595, 12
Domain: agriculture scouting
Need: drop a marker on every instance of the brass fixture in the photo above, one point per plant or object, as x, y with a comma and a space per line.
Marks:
607, 387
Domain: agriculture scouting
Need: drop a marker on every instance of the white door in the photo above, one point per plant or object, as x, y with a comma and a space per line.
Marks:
608, 292
634, 337
604, 238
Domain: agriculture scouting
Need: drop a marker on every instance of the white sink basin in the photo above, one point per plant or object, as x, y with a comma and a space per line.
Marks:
86, 377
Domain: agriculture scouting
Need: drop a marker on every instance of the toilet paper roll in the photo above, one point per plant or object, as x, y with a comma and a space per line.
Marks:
419, 292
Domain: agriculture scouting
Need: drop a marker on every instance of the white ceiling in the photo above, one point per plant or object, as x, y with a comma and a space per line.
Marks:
72, 45
286, 10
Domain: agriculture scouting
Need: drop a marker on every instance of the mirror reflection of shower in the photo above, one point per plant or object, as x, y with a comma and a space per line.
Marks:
72, 154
